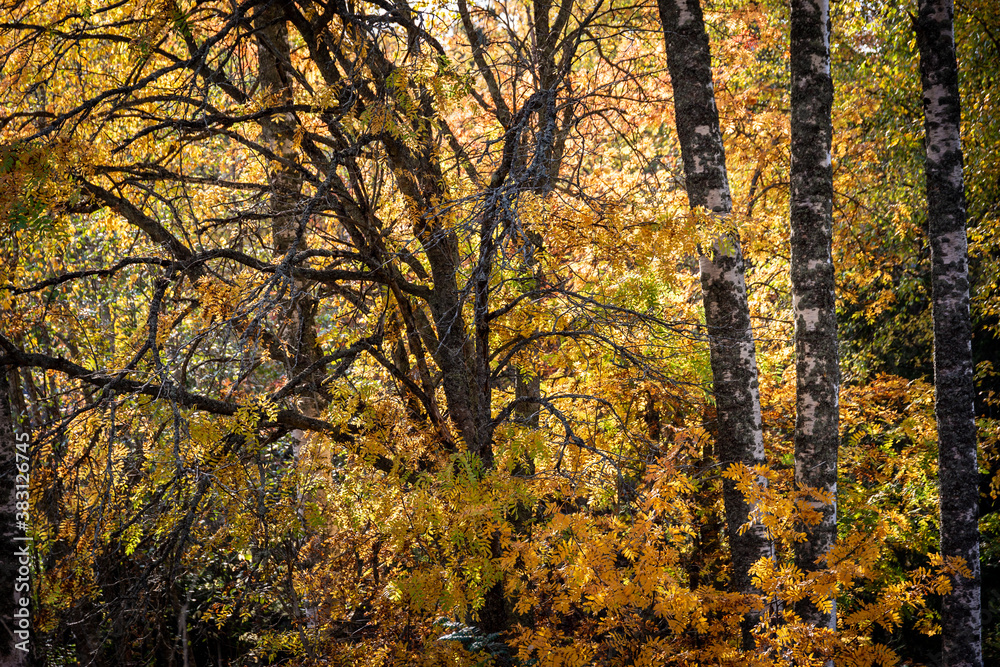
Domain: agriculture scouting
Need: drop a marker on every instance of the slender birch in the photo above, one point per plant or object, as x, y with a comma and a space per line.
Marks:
961, 626
813, 296
727, 314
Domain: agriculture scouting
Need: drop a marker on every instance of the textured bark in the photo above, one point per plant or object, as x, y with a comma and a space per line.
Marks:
813, 297
953, 382
454, 350
299, 335
727, 315
278, 130
418, 175
278, 133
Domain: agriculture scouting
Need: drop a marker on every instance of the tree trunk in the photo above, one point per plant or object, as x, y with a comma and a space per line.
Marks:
813, 297
278, 132
954, 391
297, 312
727, 315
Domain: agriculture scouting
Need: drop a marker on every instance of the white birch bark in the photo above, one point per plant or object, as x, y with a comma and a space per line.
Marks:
813, 297
961, 623
727, 315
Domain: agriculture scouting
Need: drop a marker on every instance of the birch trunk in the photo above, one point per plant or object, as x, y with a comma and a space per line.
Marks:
813, 297
954, 391
727, 315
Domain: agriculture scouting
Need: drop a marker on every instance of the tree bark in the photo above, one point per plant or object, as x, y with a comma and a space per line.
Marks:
953, 381
727, 314
278, 132
298, 311
813, 297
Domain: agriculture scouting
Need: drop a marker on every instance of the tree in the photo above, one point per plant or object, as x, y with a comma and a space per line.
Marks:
290, 175
817, 369
727, 315
953, 380
368, 333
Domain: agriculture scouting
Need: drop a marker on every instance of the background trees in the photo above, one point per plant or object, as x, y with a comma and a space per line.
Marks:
369, 333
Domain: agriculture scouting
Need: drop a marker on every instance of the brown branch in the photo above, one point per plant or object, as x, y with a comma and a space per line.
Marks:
153, 229
20, 359
103, 273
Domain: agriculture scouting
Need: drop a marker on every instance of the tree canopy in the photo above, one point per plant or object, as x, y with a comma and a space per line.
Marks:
372, 333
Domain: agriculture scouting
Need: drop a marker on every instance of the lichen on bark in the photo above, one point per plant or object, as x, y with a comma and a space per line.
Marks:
727, 315
813, 294
953, 379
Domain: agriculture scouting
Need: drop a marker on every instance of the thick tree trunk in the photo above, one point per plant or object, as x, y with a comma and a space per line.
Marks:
278, 133
278, 130
813, 297
958, 473
727, 315
297, 312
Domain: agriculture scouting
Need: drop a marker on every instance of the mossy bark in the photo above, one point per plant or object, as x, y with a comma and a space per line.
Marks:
961, 626
727, 314
817, 366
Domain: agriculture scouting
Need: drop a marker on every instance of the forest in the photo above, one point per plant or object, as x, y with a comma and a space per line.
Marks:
500, 333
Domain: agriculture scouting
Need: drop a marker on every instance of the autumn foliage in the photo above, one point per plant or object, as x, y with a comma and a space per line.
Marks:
369, 333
